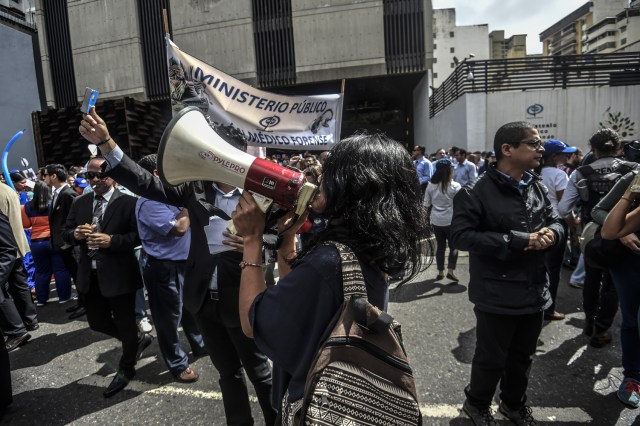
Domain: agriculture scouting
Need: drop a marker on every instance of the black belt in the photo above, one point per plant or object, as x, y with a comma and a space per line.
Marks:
214, 295
37, 240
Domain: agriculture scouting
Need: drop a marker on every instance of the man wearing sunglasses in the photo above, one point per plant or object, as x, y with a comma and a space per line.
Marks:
103, 224
506, 223
212, 276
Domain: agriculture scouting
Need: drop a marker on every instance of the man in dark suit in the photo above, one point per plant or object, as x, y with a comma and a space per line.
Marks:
212, 281
55, 175
103, 224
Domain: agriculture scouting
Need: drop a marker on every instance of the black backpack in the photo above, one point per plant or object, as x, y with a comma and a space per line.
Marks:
599, 184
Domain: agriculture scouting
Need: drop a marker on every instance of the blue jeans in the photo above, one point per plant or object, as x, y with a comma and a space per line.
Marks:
47, 262
164, 280
578, 274
626, 277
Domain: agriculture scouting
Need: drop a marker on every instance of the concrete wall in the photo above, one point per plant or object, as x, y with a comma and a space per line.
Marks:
338, 39
105, 41
218, 32
449, 127
20, 95
571, 115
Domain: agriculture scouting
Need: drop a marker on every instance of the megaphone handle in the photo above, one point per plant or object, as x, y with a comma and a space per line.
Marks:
263, 202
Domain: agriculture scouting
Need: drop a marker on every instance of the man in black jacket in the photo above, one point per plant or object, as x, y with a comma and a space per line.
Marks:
55, 175
506, 222
103, 224
212, 281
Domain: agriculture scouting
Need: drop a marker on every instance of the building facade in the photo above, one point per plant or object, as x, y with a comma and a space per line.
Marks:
507, 48
22, 89
454, 43
619, 33
569, 35
382, 48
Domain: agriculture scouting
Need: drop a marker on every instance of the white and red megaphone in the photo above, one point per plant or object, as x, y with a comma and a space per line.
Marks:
190, 150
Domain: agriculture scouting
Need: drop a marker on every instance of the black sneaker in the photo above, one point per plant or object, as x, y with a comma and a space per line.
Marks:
479, 417
521, 417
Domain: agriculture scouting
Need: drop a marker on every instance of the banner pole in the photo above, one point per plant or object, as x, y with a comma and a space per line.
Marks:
342, 86
166, 21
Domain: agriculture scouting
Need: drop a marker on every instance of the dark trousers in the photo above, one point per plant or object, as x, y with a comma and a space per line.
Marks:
6, 392
505, 345
443, 237
553, 263
71, 264
114, 316
230, 350
49, 262
164, 281
599, 297
17, 309
626, 277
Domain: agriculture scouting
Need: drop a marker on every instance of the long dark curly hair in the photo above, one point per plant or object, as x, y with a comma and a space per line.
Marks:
371, 184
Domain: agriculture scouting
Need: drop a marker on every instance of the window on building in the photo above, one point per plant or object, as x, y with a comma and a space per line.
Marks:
453, 65
435, 60
435, 75
452, 50
451, 34
623, 41
434, 35
435, 46
623, 29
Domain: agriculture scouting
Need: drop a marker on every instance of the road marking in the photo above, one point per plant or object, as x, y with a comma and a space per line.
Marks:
547, 414
577, 355
441, 411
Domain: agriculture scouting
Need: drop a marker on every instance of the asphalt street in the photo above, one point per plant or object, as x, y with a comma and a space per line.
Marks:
58, 377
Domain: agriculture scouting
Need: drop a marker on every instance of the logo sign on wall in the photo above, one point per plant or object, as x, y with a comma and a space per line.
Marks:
620, 123
533, 111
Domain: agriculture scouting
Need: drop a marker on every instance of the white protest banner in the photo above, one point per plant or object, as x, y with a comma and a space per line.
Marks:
265, 119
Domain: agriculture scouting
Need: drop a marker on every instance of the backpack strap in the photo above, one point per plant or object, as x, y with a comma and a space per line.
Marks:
352, 278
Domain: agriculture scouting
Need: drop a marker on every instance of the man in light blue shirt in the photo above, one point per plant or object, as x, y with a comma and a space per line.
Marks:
465, 170
166, 238
423, 167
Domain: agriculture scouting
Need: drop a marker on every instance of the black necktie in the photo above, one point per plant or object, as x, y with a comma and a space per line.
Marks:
97, 209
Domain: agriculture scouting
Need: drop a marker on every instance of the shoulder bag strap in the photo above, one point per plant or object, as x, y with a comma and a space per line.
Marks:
352, 278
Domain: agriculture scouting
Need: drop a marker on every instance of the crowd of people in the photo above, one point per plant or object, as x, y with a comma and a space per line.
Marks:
526, 185
522, 211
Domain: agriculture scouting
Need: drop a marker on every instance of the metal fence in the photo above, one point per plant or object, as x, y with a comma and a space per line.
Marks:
542, 72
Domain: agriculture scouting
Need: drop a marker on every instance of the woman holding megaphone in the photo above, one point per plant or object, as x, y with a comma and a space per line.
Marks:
369, 193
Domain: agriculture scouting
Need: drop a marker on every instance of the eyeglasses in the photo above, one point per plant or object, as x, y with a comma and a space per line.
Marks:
535, 144
92, 175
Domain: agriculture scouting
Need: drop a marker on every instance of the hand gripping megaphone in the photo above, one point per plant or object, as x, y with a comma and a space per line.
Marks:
190, 150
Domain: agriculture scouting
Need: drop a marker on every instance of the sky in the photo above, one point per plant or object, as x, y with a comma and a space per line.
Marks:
512, 16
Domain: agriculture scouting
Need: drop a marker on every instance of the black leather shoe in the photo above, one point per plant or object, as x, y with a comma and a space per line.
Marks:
119, 382
73, 308
143, 343
78, 313
32, 327
14, 342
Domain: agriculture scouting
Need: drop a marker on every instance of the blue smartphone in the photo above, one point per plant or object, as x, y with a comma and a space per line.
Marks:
90, 98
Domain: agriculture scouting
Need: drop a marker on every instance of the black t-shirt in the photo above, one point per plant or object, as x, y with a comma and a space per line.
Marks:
290, 318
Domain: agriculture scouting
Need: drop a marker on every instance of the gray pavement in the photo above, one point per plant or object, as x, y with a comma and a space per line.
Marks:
59, 376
